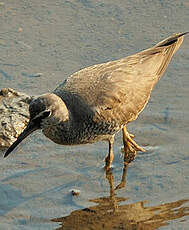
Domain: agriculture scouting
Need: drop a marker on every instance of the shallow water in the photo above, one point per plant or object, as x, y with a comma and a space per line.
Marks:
55, 39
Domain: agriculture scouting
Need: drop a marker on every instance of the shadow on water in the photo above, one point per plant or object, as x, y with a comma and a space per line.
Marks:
110, 213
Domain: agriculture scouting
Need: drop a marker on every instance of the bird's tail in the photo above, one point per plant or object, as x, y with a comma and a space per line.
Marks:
176, 39
168, 48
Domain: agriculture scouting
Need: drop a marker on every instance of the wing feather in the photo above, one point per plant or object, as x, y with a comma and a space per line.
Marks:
119, 90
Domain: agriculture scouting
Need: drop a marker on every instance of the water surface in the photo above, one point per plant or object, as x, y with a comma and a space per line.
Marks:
55, 39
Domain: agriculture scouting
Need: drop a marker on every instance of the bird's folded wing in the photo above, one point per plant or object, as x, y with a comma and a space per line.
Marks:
119, 90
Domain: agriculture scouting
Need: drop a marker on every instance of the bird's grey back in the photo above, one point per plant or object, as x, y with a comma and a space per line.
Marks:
119, 90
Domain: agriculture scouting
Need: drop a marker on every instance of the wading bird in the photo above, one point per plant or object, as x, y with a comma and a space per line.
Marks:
95, 103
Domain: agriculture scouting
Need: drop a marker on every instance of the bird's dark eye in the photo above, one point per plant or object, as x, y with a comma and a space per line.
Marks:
41, 116
45, 114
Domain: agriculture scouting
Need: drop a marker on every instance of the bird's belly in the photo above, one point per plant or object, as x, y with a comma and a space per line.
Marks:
79, 136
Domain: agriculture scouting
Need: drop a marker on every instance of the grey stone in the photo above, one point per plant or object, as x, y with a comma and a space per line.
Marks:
14, 115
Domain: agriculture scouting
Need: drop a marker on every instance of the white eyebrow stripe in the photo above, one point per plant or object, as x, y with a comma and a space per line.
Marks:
41, 114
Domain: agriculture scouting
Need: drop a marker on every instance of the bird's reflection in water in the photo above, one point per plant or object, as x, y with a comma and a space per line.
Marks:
109, 214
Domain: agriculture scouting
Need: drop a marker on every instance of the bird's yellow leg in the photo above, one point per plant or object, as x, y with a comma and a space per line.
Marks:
110, 156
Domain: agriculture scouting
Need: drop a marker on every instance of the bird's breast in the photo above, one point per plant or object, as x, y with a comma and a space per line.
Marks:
80, 133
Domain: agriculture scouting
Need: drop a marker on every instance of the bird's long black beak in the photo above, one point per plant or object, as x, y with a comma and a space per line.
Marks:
31, 127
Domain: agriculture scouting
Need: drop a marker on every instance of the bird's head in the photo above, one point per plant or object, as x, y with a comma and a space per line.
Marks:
45, 111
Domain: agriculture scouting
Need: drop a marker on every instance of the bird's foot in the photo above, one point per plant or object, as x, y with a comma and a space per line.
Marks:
133, 146
130, 148
129, 153
129, 156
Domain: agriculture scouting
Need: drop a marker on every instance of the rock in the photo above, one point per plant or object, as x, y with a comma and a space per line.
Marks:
14, 115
